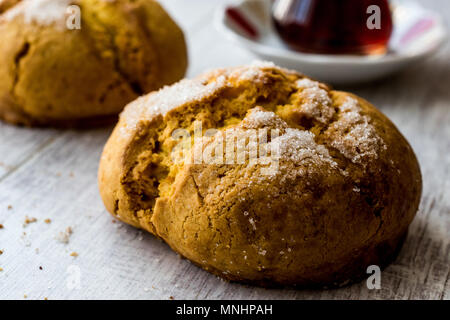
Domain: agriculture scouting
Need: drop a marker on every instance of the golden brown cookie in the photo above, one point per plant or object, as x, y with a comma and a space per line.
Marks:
53, 75
330, 190
6, 4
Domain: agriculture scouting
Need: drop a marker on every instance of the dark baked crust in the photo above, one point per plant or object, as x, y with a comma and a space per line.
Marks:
347, 187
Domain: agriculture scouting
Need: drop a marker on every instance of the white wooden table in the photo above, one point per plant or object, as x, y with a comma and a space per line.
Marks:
51, 174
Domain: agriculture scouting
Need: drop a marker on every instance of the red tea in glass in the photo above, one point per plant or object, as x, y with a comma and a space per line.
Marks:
334, 26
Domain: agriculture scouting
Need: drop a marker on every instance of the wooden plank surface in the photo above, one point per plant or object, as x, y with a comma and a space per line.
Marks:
51, 174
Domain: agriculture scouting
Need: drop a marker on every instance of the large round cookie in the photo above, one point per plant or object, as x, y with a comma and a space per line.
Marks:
52, 73
331, 190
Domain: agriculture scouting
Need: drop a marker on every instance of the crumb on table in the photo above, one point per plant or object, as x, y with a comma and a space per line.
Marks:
29, 220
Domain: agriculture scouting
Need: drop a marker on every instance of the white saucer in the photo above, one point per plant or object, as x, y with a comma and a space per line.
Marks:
417, 34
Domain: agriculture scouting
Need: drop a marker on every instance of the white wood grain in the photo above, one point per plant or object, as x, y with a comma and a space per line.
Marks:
19, 144
51, 174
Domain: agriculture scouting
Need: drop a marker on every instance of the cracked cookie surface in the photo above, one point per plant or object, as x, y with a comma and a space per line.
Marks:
51, 75
345, 189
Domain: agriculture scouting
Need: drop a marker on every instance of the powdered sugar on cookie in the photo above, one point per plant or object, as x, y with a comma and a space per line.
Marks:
183, 92
353, 135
